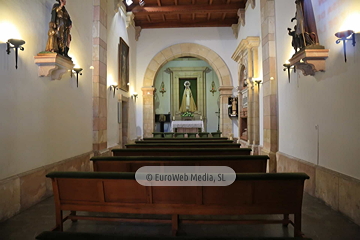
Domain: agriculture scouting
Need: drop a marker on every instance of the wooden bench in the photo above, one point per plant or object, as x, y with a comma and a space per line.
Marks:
47, 235
240, 164
172, 138
181, 140
180, 152
251, 193
184, 145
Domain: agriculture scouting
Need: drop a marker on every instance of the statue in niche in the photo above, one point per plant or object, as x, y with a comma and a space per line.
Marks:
187, 102
305, 32
59, 30
234, 106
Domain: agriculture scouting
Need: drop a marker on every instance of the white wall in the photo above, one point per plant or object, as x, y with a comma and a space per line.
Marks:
42, 120
152, 41
117, 28
329, 100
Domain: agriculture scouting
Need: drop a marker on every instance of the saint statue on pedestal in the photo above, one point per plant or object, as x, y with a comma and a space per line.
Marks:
59, 30
187, 103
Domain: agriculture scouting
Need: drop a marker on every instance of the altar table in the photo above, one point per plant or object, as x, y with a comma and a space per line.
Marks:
187, 126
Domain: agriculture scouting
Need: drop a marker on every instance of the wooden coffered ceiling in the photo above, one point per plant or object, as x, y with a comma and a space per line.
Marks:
186, 13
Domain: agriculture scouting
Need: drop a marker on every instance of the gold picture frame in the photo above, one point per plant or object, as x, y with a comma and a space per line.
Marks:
123, 54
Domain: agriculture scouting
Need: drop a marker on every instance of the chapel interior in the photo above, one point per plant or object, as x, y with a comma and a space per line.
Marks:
107, 80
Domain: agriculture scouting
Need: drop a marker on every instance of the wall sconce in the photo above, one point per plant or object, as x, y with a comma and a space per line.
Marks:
258, 82
162, 88
114, 87
288, 67
15, 43
141, 3
78, 71
134, 96
345, 36
213, 88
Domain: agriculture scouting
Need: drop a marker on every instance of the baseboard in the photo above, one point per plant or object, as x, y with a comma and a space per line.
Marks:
24, 190
339, 191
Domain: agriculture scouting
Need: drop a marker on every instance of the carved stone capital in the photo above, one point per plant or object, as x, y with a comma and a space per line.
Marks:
226, 90
52, 64
148, 91
310, 61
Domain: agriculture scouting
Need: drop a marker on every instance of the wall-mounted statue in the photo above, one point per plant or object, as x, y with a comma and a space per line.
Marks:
304, 34
59, 30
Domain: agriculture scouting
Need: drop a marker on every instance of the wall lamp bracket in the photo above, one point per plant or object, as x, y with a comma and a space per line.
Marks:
114, 88
287, 67
78, 72
16, 44
134, 96
258, 82
347, 35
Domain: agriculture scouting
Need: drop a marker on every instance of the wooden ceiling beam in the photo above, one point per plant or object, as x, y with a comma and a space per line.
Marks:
192, 23
189, 9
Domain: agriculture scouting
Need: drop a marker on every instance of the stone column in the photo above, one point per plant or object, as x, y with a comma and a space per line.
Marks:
148, 111
256, 124
270, 97
225, 121
99, 77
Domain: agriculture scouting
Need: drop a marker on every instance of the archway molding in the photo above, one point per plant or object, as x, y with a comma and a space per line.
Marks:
181, 50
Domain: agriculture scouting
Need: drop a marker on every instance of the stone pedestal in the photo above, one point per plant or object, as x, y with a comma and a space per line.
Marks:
53, 65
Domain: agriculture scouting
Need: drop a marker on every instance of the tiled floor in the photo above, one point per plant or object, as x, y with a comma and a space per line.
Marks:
319, 223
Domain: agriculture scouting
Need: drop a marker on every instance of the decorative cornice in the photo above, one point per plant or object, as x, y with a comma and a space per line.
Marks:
245, 45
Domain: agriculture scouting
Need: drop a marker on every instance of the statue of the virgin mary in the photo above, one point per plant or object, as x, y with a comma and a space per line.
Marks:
187, 103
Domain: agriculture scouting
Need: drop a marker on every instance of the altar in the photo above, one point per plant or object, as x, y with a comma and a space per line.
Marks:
187, 126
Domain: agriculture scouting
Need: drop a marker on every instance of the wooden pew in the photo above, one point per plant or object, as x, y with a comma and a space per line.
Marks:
179, 151
47, 235
251, 193
240, 164
181, 140
184, 145
190, 139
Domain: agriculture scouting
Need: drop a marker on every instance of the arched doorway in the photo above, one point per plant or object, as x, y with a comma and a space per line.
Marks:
193, 50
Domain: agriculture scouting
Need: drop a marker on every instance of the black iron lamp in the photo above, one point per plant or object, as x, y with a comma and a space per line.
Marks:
16, 44
287, 67
78, 71
347, 35
258, 82
114, 88
134, 96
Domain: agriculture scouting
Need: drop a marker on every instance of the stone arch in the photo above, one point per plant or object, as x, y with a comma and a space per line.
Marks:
188, 49
180, 50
